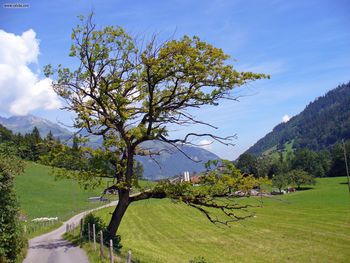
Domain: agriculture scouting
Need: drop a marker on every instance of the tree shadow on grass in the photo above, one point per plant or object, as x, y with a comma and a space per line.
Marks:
304, 188
343, 183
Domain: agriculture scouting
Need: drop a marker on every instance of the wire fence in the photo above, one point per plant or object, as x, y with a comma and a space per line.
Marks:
97, 241
40, 225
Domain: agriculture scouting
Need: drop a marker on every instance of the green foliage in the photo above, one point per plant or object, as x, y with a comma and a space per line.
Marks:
300, 177
137, 173
199, 260
5, 134
311, 162
318, 164
11, 232
153, 85
263, 166
130, 94
29, 146
280, 181
86, 165
83, 164
91, 219
337, 165
215, 190
221, 180
279, 165
247, 163
35, 141
75, 146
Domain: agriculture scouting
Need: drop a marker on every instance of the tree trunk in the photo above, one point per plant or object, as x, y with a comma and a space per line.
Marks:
119, 211
124, 194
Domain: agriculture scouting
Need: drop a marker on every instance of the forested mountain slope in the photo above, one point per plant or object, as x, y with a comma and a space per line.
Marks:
320, 125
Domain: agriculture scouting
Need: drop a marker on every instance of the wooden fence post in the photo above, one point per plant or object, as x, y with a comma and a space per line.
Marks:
81, 227
94, 235
129, 257
101, 244
89, 231
111, 251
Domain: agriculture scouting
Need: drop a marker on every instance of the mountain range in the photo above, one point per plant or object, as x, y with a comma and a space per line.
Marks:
323, 123
169, 163
26, 124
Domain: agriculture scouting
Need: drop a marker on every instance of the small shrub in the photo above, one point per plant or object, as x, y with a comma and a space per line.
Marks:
100, 225
92, 219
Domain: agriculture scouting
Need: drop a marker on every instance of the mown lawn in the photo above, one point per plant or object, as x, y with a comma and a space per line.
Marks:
306, 226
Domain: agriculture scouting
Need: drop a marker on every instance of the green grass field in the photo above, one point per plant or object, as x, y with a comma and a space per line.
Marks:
40, 195
306, 226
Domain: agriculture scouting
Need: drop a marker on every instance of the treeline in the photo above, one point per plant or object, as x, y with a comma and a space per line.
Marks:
318, 164
82, 162
296, 168
319, 126
30, 146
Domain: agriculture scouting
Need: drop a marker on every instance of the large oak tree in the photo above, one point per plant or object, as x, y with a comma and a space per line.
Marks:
130, 91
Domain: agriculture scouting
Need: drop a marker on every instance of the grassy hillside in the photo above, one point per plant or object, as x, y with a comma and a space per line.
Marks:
40, 195
306, 226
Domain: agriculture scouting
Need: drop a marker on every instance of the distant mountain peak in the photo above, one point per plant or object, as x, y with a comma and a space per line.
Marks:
25, 124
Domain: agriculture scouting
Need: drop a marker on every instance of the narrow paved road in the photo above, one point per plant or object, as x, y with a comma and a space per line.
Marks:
52, 248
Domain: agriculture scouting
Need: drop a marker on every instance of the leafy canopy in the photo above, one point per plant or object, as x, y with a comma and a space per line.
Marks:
130, 93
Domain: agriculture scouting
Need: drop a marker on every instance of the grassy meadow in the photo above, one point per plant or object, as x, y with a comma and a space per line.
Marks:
306, 226
40, 195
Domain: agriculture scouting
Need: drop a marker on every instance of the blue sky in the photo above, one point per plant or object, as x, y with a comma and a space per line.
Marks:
303, 45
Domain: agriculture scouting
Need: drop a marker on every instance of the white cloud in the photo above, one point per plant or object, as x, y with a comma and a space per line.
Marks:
21, 89
205, 144
271, 67
285, 118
